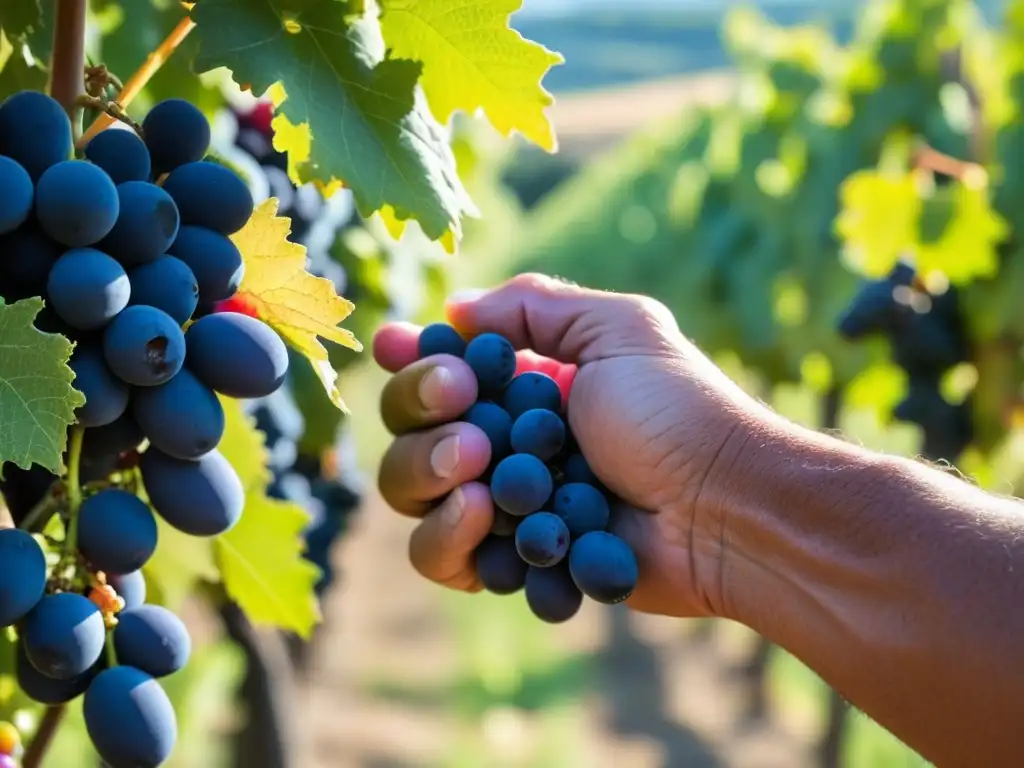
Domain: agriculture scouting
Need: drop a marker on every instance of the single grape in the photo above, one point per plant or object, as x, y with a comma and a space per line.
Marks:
46, 690
210, 195
583, 508
117, 532
64, 635
493, 360
521, 484
106, 396
213, 259
542, 539
28, 255
182, 417
120, 435
87, 288
152, 639
504, 524
22, 574
130, 587
35, 131
531, 390
121, 153
494, 422
538, 432
201, 498
499, 566
237, 355
603, 567
16, 195
440, 339
76, 203
551, 594
144, 346
575, 469
166, 284
146, 226
130, 719
175, 133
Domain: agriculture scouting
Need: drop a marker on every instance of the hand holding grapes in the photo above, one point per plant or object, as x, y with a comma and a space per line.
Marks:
651, 414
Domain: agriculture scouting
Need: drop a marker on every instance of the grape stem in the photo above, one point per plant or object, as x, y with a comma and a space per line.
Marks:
67, 64
74, 488
134, 85
43, 737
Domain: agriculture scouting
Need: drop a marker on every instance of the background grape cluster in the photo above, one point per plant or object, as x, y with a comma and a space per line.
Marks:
126, 245
552, 514
927, 336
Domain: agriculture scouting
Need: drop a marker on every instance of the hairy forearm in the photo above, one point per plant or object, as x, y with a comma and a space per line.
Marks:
900, 584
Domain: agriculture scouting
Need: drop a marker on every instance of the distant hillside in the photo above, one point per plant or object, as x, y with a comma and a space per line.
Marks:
626, 41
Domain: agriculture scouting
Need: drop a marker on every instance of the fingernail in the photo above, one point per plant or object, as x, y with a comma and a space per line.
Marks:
433, 387
466, 296
454, 508
445, 456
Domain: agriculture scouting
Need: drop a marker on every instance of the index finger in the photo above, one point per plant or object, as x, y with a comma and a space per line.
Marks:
395, 346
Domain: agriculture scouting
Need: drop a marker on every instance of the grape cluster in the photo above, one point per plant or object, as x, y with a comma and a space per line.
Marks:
125, 244
550, 532
927, 337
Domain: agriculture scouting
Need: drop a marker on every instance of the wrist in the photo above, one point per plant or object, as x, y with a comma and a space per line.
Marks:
789, 488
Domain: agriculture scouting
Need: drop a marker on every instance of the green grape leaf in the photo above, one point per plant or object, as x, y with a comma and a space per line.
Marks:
19, 16
18, 72
262, 566
178, 565
260, 559
37, 399
347, 113
472, 60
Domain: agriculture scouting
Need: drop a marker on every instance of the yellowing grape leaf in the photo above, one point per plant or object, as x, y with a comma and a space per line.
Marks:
260, 559
472, 60
878, 219
300, 307
354, 114
37, 399
966, 248
263, 569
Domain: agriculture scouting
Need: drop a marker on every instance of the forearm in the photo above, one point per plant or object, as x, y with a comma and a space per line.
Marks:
899, 584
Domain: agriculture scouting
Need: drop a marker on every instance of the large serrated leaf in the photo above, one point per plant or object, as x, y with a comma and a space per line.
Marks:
37, 399
371, 128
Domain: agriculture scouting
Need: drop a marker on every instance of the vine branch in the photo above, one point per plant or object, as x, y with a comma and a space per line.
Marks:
67, 64
142, 76
43, 737
74, 488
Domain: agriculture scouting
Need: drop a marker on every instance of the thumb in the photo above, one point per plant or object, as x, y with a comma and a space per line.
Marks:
563, 321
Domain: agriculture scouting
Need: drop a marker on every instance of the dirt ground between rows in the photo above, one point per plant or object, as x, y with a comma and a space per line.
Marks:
661, 698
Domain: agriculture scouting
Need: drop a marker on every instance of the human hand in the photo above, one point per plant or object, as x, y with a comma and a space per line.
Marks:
660, 425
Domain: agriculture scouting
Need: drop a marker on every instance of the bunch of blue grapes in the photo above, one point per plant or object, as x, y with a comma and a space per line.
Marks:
927, 336
124, 243
550, 536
